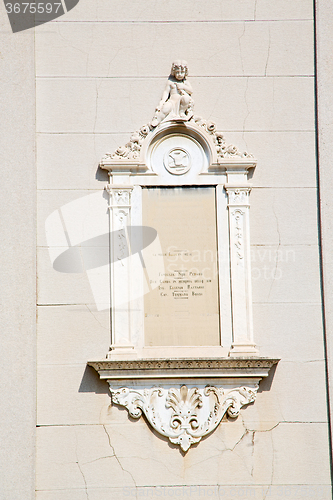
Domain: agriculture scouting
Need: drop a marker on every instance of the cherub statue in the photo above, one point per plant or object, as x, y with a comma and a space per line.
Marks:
176, 102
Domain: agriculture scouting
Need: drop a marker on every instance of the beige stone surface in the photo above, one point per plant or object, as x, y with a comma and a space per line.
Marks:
50, 201
285, 397
70, 394
74, 494
297, 458
17, 263
198, 10
97, 84
286, 274
291, 332
281, 157
80, 456
273, 104
292, 40
86, 330
54, 287
298, 9
284, 217
96, 105
124, 455
98, 50
235, 103
281, 48
79, 154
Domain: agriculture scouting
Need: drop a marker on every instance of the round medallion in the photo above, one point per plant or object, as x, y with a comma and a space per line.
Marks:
177, 161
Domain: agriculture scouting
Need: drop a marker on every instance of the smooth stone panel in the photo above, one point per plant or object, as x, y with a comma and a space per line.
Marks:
281, 156
70, 207
297, 491
98, 50
60, 201
70, 161
89, 336
96, 105
284, 216
56, 287
283, 9
286, 397
17, 263
70, 394
194, 10
278, 104
281, 49
300, 401
292, 332
286, 274
66, 494
301, 454
136, 11
290, 48
123, 105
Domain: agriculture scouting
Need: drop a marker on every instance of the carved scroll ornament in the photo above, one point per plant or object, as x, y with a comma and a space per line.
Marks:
184, 415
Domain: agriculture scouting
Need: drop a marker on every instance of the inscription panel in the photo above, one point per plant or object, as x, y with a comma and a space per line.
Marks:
183, 309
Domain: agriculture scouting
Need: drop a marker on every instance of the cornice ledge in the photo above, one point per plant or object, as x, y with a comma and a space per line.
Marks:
124, 165
207, 368
233, 164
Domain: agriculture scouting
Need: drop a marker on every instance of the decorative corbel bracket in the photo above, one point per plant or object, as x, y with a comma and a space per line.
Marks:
184, 412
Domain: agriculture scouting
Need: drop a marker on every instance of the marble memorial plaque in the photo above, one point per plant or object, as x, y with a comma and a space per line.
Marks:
183, 309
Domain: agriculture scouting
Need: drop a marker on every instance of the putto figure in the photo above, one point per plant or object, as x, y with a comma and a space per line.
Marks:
176, 102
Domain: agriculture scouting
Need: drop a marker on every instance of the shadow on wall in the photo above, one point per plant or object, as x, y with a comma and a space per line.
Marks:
92, 383
102, 175
266, 383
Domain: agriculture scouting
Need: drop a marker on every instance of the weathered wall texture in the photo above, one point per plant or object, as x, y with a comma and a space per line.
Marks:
100, 73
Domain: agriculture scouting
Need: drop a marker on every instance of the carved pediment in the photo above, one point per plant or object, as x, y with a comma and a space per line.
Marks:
176, 107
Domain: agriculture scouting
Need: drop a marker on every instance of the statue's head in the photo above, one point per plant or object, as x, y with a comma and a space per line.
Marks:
179, 69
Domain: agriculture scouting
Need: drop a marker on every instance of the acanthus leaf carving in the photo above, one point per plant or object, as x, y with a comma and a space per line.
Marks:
184, 415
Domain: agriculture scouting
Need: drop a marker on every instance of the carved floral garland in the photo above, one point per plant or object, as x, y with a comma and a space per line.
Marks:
184, 415
131, 150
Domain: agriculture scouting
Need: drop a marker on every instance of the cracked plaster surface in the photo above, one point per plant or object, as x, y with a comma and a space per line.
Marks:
128, 454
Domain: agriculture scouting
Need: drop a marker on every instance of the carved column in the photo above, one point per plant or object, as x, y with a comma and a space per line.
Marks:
119, 245
240, 270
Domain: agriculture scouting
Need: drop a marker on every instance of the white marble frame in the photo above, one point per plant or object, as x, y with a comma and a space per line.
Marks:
229, 175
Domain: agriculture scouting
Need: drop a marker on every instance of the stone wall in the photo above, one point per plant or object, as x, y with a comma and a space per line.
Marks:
17, 263
100, 73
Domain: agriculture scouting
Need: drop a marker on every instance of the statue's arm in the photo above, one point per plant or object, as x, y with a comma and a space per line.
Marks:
164, 98
187, 87
165, 95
